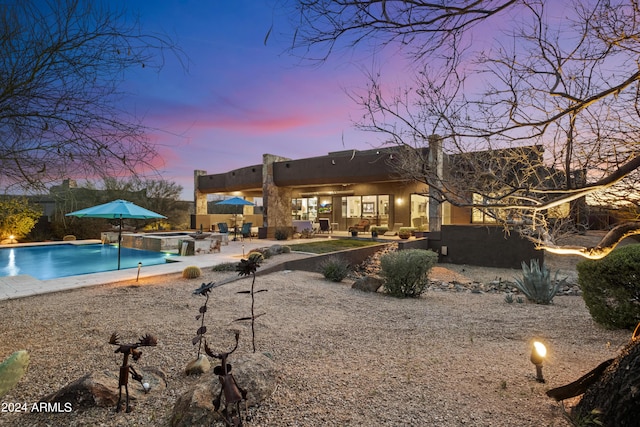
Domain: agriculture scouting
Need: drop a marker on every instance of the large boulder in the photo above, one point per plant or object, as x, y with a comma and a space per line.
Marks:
254, 372
368, 283
101, 388
198, 366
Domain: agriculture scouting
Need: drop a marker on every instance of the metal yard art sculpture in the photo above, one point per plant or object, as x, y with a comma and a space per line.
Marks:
233, 394
248, 267
203, 290
130, 350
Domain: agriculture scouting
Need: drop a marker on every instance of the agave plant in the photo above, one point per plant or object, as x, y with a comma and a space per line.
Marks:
536, 283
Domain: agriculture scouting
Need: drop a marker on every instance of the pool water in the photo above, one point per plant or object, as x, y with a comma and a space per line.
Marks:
52, 261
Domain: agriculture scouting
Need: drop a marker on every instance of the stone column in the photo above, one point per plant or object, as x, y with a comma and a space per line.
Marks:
200, 199
276, 200
436, 162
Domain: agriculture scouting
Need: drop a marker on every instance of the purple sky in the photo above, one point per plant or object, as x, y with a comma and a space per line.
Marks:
239, 98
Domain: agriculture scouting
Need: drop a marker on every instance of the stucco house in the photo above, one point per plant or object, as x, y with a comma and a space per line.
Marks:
347, 186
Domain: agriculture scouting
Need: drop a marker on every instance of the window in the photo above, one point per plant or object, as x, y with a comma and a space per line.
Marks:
481, 216
304, 208
419, 210
372, 206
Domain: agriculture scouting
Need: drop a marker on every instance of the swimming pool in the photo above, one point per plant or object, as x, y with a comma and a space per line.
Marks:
52, 261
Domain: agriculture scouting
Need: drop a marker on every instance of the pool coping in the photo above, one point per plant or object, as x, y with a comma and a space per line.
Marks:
12, 287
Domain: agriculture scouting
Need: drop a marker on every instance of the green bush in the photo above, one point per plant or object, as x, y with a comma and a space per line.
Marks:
225, 266
611, 287
536, 283
281, 233
405, 272
380, 229
334, 268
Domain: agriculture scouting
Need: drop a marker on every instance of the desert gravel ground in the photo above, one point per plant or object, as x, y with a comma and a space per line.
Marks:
345, 357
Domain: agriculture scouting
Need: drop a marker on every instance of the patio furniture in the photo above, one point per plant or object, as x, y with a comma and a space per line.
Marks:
363, 225
394, 230
223, 227
246, 230
324, 225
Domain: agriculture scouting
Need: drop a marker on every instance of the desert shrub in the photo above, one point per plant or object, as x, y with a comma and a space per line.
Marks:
334, 268
380, 229
286, 250
405, 232
281, 233
611, 287
191, 272
405, 272
536, 283
225, 266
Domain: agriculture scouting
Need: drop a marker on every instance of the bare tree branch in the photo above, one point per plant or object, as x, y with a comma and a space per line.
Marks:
533, 126
61, 63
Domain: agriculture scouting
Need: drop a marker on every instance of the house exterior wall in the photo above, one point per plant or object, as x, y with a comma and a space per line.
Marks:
336, 175
484, 245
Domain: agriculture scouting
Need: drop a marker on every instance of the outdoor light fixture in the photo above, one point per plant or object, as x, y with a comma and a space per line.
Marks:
538, 353
139, 267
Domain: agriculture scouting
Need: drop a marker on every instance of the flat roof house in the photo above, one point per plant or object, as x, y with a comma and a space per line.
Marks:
343, 187
348, 186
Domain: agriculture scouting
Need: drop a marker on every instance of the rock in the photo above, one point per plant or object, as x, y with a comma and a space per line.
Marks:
368, 284
254, 372
12, 369
275, 250
101, 389
198, 366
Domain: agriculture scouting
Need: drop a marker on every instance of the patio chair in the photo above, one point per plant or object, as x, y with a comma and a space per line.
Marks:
363, 225
394, 230
223, 227
324, 225
245, 231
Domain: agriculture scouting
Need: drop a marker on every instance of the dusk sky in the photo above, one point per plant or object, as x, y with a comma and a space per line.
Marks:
239, 98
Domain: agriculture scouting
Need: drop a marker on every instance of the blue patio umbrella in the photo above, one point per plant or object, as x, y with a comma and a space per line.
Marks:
235, 201
118, 209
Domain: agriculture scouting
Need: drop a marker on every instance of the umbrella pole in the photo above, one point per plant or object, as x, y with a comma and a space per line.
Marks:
119, 240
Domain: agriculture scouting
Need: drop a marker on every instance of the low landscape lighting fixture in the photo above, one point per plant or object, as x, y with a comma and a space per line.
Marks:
538, 353
139, 267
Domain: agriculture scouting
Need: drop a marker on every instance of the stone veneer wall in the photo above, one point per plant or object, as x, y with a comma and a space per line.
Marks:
276, 200
199, 197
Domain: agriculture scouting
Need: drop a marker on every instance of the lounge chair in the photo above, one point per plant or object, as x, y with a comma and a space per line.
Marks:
245, 231
363, 225
324, 225
394, 230
223, 227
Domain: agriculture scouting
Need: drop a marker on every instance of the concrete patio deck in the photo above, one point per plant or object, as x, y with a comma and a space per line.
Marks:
24, 285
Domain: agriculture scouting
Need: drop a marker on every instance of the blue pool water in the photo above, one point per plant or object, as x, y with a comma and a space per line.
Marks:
52, 261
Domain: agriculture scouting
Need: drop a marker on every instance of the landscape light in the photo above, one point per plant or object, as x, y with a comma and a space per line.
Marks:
538, 353
139, 267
